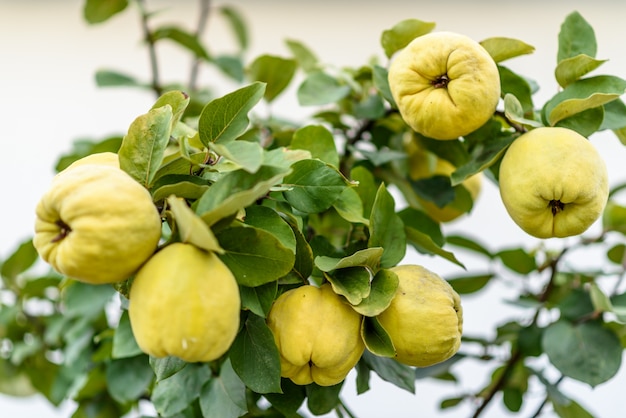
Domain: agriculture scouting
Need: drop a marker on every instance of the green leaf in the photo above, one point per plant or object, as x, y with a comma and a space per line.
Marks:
391, 371
15, 382
518, 260
319, 141
515, 113
304, 56
21, 260
225, 118
571, 69
387, 229
274, 71
290, 401
587, 352
224, 396
576, 37
571, 409
235, 191
614, 115
178, 100
319, 88
600, 301
464, 285
381, 82
128, 378
254, 256
124, 344
399, 36
383, 289
586, 122
182, 185
143, 147
268, 219
369, 257
350, 207
231, 66
181, 37
98, 11
583, 94
313, 186
237, 23
322, 399
165, 367
468, 244
450, 402
175, 393
255, 358
351, 282
501, 48
86, 301
367, 188
614, 217
191, 228
247, 155
259, 299
425, 244
376, 339
111, 78
420, 221
370, 107
518, 86
616, 254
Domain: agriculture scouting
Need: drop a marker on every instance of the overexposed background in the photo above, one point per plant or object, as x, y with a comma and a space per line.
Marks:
48, 56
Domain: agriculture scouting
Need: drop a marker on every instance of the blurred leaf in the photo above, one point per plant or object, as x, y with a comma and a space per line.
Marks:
392, 371
225, 118
587, 352
322, 399
512, 399
614, 217
124, 343
381, 82
616, 254
15, 382
501, 48
383, 289
425, 244
111, 78
255, 256
224, 396
319, 141
576, 37
514, 112
518, 260
247, 155
436, 189
420, 221
237, 24
304, 56
231, 66
255, 358
614, 115
128, 378
313, 186
371, 107
86, 301
191, 228
143, 147
469, 284
387, 229
351, 282
166, 366
583, 94
274, 71
21, 260
571, 409
402, 33
451, 402
512, 83
259, 299
175, 393
181, 37
468, 244
83, 147
98, 11
319, 88
573, 68
376, 339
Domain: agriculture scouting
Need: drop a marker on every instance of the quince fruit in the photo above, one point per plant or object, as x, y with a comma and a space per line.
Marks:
100, 158
317, 334
445, 85
424, 319
553, 182
96, 224
424, 164
184, 302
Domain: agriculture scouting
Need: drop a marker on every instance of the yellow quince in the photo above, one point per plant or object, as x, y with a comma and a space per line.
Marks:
184, 302
100, 158
553, 182
445, 85
424, 319
317, 334
96, 224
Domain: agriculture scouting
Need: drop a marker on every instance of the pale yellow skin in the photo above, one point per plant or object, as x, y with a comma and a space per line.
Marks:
424, 319
96, 224
101, 158
553, 182
317, 334
446, 85
424, 165
184, 302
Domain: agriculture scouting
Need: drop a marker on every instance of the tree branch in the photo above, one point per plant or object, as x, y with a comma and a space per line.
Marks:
203, 17
149, 38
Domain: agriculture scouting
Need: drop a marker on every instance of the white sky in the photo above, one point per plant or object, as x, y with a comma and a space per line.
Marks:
48, 57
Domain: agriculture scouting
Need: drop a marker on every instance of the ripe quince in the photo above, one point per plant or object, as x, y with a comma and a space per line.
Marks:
96, 224
445, 85
553, 182
184, 302
100, 158
317, 334
424, 164
424, 319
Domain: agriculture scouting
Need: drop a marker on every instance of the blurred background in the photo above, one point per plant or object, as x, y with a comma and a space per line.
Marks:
48, 57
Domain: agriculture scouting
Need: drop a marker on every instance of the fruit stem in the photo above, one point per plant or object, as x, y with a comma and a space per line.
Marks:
556, 206
64, 231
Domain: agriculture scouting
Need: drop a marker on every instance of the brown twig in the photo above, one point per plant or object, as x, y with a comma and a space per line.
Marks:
203, 17
149, 38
